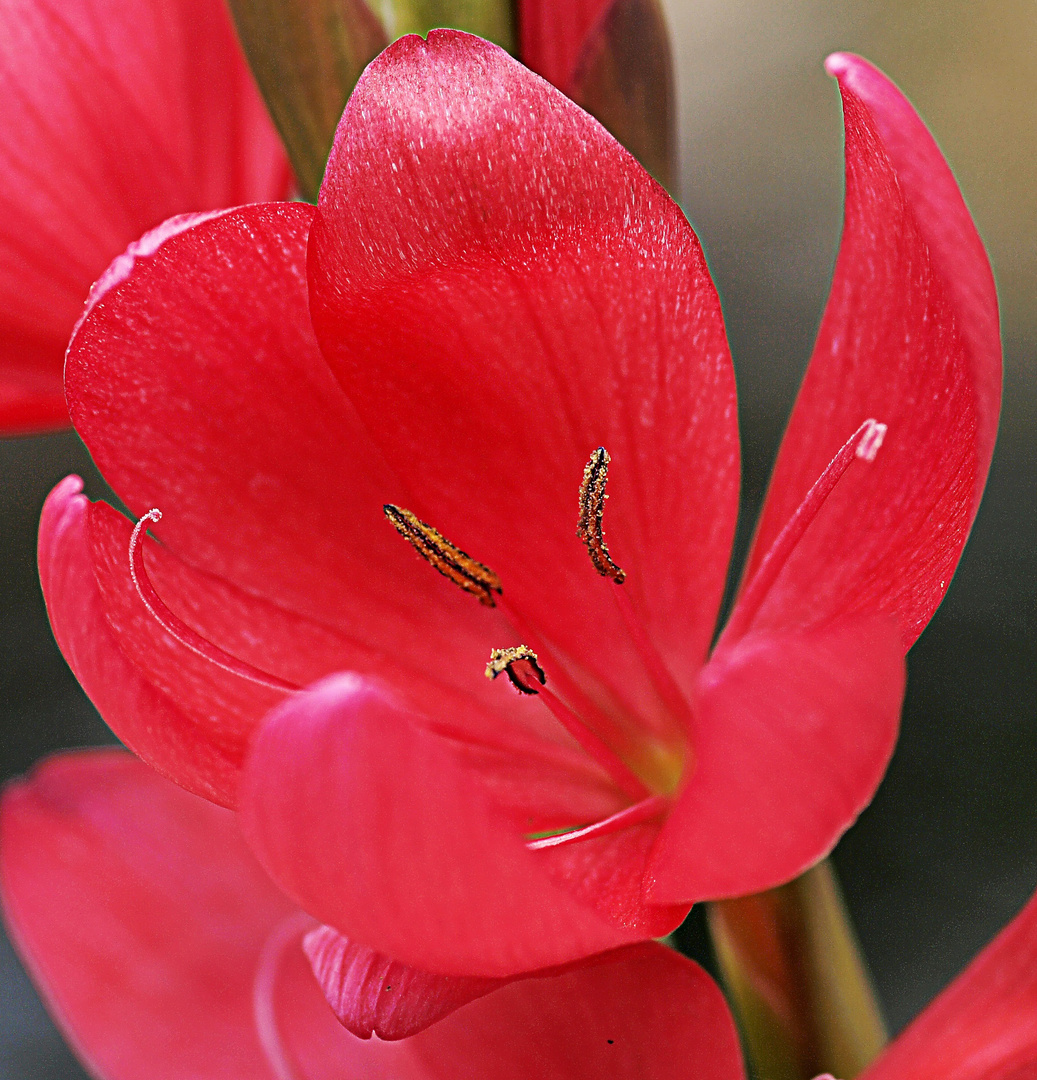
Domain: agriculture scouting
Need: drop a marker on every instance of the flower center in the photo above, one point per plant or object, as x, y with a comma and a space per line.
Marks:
641, 767
645, 770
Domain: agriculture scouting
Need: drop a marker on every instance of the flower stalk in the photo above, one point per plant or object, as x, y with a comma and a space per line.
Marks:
797, 980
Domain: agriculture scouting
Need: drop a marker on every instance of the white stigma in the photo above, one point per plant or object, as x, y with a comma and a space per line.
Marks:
871, 440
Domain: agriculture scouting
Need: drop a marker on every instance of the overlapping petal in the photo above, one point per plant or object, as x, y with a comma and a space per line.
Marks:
372, 994
141, 916
500, 289
910, 337
150, 722
164, 951
390, 833
792, 734
116, 116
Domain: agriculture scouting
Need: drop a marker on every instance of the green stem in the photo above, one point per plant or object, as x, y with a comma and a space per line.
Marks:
797, 980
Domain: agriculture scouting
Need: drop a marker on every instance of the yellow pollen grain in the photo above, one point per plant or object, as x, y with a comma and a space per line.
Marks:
521, 666
453, 563
592, 510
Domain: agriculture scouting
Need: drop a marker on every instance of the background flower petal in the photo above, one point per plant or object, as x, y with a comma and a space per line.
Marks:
639, 1013
792, 734
141, 915
910, 338
501, 289
116, 116
552, 35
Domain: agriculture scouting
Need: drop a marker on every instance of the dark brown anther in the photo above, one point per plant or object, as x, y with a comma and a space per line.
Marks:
520, 665
592, 510
445, 557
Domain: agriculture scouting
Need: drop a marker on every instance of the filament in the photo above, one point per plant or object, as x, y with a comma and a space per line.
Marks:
645, 810
864, 444
178, 629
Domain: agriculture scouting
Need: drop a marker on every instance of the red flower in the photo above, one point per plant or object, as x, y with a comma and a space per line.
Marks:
116, 116
163, 951
496, 290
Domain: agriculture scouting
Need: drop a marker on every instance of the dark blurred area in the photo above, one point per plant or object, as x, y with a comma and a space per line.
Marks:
947, 852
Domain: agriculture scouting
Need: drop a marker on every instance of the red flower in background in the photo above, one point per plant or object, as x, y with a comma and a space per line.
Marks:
497, 289
117, 115
163, 951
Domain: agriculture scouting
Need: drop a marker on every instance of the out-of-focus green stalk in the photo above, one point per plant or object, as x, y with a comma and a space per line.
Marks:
797, 980
490, 19
307, 55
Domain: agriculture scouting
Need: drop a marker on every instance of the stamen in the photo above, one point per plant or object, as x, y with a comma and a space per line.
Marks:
178, 629
447, 558
521, 666
523, 669
592, 511
665, 684
652, 807
863, 444
264, 1010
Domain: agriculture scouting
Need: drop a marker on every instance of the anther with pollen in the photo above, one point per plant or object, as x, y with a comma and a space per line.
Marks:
447, 558
523, 669
521, 666
592, 510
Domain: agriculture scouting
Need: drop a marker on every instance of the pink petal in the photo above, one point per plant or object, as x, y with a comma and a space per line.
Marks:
141, 916
149, 721
982, 1027
164, 952
196, 382
552, 35
792, 735
385, 831
374, 995
501, 289
639, 1013
126, 661
910, 338
116, 116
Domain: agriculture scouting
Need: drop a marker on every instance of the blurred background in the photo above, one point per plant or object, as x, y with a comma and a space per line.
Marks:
947, 852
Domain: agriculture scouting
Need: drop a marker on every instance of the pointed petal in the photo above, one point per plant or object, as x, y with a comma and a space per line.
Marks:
792, 734
116, 116
982, 1026
384, 831
552, 35
197, 385
141, 916
501, 289
372, 994
910, 338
